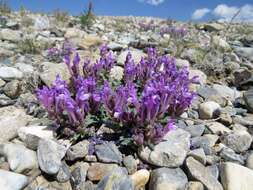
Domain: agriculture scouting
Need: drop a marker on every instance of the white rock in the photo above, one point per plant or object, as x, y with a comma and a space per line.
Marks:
32, 134
12, 181
236, 177
25, 68
11, 119
220, 43
201, 76
10, 35
207, 109
10, 73
218, 128
20, 159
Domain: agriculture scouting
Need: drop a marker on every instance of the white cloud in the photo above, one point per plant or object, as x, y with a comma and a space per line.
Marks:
152, 2
226, 13
200, 13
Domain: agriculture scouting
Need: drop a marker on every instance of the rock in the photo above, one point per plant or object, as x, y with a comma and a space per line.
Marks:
88, 185
79, 175
74, 33
115, 46
108, 153
239, 141
11, 119
10, 35
2, 83
12, 89
41, 183
64, 174
5, 100
195, 130
229, 155
249, 162
12, 181
79, 150
90, 41
130, 163
98, 170
140, 178
51, 70
20, 159
226, 92
248, 98
213, 170
31, 135
116, 180
25, 68
245, 52
41, 23
235, 177
117, 73
209, 110
136, 55
10, 73
180, 63
201, 76
199, 155
206, 142
214, 27
200, 173
194, 185
50, 154
220, 43
171, 152
217, 128
168, 179
243, 77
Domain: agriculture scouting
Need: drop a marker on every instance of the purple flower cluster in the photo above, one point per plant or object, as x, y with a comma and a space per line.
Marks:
150, 91
147, 26
56, 54
162, 89
174, 32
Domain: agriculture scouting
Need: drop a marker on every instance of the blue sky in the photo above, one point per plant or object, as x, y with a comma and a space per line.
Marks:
175, 9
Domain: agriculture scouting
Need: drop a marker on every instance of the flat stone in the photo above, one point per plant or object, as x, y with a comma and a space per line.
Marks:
246, 52
235, 177
195, 130
248, 98
140, 178
78, 151
214, 27
64, 174
79, 175
230, 156
10, 35
206, 142
12, 181
50, 70
31, 135
194, 185
98, 170
130, 163
226, 92
199, 172
217, 128
10, 73
108, 153
168, 179
171, 152
20, 159
199, 155
50, 154
11, 119
239, 141
116, 180
249, 162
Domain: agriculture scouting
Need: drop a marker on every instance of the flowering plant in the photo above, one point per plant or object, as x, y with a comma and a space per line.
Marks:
151, 91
